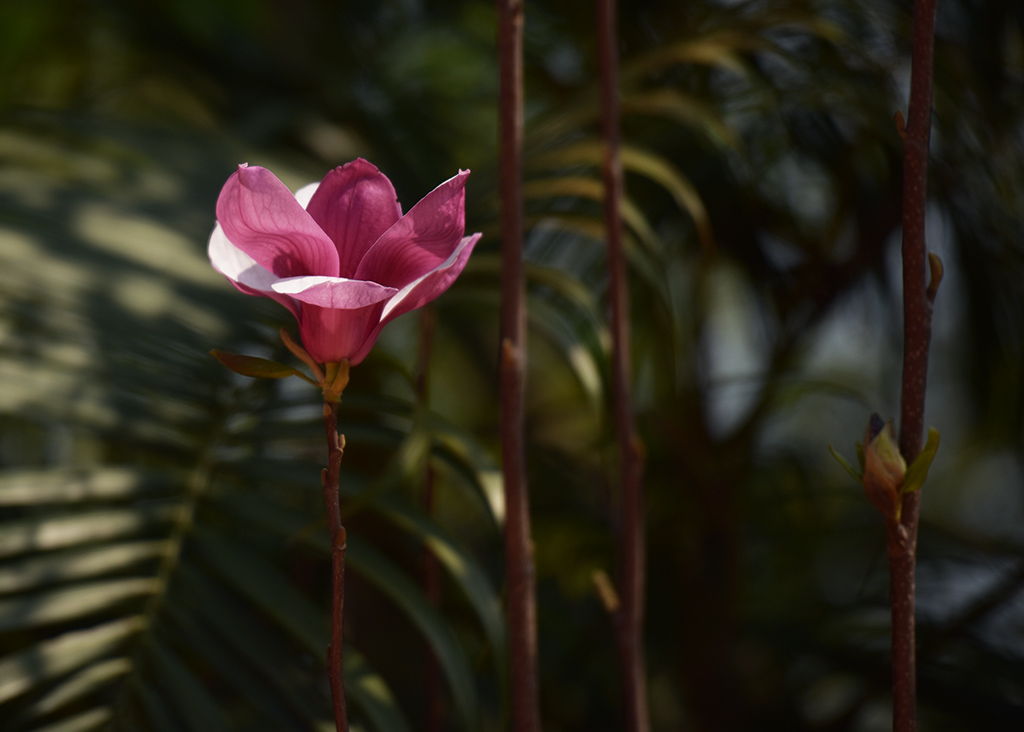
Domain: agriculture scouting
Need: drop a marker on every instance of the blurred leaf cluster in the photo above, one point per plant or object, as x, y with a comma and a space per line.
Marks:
163, 555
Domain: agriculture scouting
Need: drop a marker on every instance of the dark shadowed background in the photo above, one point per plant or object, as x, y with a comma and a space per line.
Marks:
163, 556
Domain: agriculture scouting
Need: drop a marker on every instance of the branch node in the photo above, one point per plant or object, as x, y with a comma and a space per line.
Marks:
509, 354
606, 591
936, 270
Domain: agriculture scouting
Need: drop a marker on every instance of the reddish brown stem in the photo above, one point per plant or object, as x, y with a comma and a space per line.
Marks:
630, 615
522, 619
917, 327
330, 478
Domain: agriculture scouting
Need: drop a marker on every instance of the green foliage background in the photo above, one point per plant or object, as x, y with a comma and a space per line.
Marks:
163, 557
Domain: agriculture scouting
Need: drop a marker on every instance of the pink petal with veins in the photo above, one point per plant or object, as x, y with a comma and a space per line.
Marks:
338, 315
243, 271
334, 292
339, 254
354, 205
420, 241
262, 218
421, 291
331, 334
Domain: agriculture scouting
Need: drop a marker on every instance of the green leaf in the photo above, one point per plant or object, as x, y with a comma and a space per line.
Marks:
592, 189
22, 670
58, 531
719, 48
236, 671
84, 722
470, 460
362, 558
371, 693
378, 570
404, 468
583, 350
68, 603
245, 635
268, 589
917, 473
647, 262
158, 713
258, 368
200, 710
645, 163
675, 182
469, 576
36, 487
80, 685
846, 465
683, 108
78, 563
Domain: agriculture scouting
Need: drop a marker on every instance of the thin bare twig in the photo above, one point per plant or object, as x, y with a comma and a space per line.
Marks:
630, 615
917, 326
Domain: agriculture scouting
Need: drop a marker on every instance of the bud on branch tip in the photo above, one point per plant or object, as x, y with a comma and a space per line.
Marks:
883, 470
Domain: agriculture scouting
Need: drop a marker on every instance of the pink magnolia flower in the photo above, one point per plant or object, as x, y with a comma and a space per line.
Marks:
339, 254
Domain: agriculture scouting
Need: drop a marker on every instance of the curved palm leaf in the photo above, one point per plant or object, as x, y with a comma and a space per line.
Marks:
124, 594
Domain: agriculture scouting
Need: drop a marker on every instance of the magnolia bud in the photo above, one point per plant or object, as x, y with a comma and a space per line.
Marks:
884, 468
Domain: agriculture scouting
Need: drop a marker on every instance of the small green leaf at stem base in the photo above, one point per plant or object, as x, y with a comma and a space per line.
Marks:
258, 368
918, 470
846, 465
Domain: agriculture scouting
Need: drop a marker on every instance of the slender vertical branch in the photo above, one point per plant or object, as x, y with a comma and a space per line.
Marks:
917, 327
917, 306
512, 361
330, 478
430, 575
630, 615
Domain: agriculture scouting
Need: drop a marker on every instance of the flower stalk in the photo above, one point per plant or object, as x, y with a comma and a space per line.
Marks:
345, 261
330, 477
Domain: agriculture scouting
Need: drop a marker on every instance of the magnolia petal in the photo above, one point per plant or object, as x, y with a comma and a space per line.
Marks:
243, 271
354, 205
304, 194
334, 292
339, 254
262, 218
420, 241
333, 334
236, 265
421, 291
